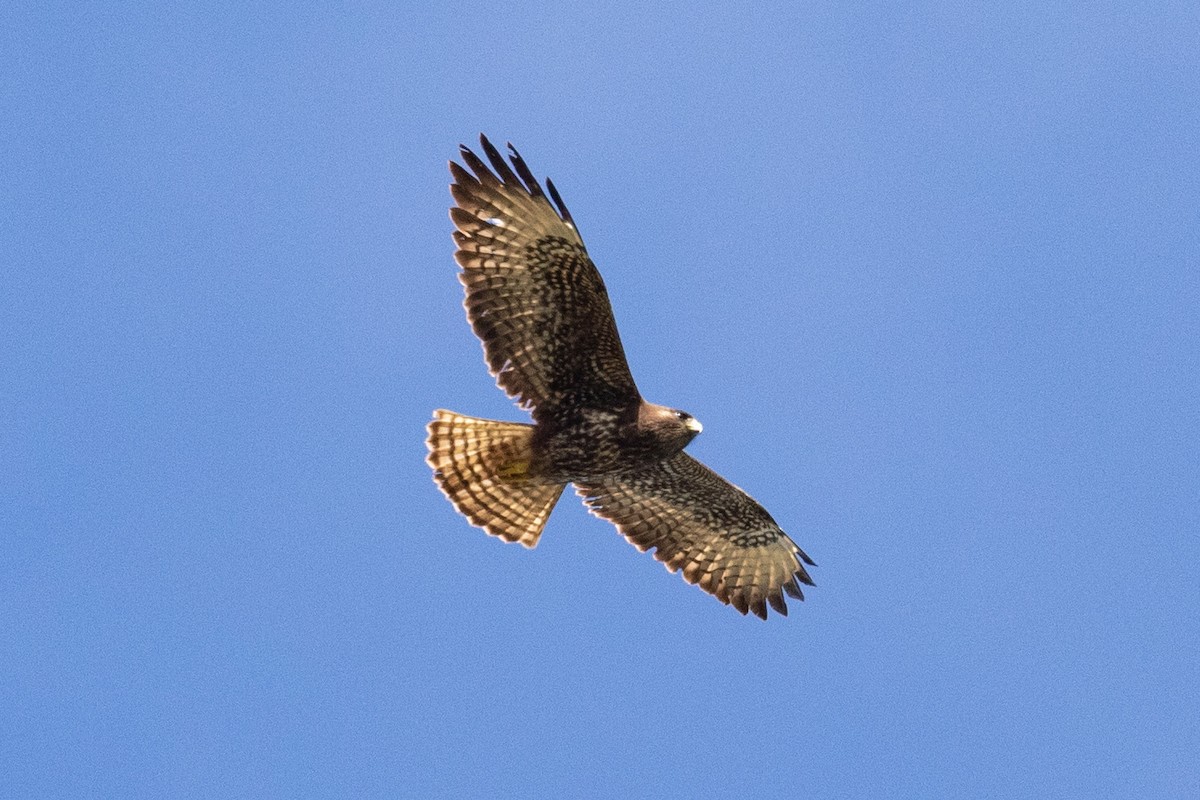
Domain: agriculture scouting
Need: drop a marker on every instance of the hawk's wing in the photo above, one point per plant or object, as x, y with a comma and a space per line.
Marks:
703, 524
533, 295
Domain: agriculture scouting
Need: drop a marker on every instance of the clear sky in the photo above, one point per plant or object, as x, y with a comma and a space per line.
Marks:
929, 276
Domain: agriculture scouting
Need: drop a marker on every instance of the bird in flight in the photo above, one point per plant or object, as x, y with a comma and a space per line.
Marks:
537, 302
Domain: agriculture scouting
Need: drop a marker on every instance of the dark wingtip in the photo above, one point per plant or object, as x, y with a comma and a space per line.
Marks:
483, 175
562, 207
759, 607
506, 175
488, 148
498, 162
531, 183
460, 175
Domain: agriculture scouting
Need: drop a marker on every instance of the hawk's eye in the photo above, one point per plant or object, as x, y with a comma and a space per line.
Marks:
682, 416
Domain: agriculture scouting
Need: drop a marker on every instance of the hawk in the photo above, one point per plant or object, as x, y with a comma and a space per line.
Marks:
536, 300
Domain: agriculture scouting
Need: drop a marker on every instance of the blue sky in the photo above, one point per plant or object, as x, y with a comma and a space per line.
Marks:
929, 275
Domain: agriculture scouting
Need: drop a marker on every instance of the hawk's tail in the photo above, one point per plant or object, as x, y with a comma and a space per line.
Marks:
482, 466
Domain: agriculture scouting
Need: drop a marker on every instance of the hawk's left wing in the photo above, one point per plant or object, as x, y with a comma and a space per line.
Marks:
701, 523
534, 297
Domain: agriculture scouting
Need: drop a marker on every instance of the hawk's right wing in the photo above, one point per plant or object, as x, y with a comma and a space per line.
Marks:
533, 296
701, 523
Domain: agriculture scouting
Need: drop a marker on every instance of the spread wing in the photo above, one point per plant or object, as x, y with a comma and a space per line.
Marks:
701, 523
534, 297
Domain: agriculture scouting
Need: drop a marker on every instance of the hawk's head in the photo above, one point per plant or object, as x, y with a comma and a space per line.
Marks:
667, 430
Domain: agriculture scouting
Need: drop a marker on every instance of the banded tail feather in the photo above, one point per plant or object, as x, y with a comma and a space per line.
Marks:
481, 466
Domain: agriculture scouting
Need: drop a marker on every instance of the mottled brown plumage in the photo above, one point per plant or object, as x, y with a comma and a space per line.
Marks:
540, 308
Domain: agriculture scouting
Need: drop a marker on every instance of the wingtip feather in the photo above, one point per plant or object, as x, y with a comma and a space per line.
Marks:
778, 603
558, 201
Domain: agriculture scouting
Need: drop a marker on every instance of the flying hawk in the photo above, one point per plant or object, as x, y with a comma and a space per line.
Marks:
536, 300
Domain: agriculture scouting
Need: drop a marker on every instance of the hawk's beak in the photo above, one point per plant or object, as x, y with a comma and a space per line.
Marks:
693, 425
